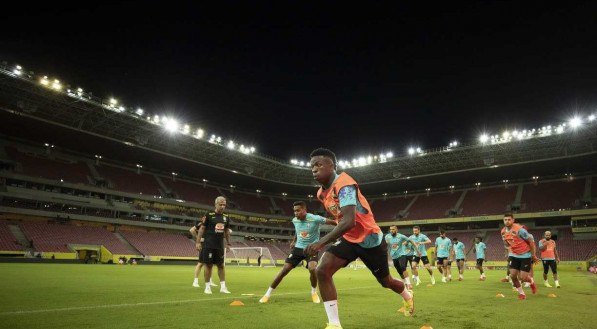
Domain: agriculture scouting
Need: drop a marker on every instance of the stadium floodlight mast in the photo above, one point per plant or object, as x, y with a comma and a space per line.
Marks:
18, 70
484, 138
591, 118
575, 122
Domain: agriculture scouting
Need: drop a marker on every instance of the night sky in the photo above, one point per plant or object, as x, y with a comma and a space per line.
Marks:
291, 78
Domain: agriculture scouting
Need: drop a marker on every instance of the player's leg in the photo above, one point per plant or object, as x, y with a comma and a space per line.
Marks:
197, 272
329, 264
288, 266
396, 263
415, 268
207, 276
376, 261
403, 270
545, 272
554, 271
219, 261
428, 267
312, 267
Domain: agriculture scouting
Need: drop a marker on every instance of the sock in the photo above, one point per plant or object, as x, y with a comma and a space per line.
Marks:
546, 281
520, 291
460, 276
196, 280
414, 277
269, 292
313, 290
211, 281
222, 285
405, 294
483, 274
407, 281
331, 309
450, 276
557, 281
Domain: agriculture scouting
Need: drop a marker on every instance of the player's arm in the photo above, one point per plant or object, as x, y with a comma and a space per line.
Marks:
542, 246
345, 225
293, 241
415, 246
524, 234
330, 222
193, 232
199, 237
227, 236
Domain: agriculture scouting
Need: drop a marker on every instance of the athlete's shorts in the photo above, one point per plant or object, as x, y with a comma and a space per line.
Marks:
400, 264
409, 259
480, 261
211, 256
551, 263
440, 260
297, 256
521, 264
417, 259
376, 258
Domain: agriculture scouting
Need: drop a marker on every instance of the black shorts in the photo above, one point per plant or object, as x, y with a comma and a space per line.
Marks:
417, 259
440, 260
550, 263
298, 255
521, 264
480, 261
211, 256
400, 264
376, 258
409, 259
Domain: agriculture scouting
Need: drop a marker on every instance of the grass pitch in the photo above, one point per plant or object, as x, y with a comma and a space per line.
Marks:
110, 296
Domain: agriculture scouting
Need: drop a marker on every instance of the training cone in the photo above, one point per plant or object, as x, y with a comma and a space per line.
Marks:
237, 303
429, 285
500, 295
426, 326
552, 295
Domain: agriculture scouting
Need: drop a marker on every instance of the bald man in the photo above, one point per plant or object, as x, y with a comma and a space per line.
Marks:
214, 229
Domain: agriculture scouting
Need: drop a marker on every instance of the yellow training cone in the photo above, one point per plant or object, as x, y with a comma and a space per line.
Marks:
552, 295
237, 303
426, 326
500, 295
429, 285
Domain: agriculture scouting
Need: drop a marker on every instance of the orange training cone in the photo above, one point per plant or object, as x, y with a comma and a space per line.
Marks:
500, 295
237, 303
552, 296
426, 326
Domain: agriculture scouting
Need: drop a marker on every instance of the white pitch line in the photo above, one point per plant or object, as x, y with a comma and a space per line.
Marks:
92, 307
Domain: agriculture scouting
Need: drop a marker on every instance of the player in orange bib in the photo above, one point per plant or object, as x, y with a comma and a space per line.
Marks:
522, 254
550, 258
356, 235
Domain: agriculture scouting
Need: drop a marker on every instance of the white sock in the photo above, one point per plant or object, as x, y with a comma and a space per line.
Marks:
483, 274
407, 281
313, 290
196, 280
405, 294
211, 281
520, 291
557, 281
331, 309
546, 281
460, 276
222, 285
269, 292
414, 277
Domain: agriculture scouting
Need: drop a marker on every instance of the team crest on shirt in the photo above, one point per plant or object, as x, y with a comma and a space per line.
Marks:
304, 234
394, 246
219, 228
333, 209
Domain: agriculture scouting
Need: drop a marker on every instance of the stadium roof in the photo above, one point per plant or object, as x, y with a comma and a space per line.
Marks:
42, 112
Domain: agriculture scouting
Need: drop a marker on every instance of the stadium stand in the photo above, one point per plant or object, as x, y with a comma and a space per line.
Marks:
433, 206
285, 205
251, 203
387, 210
129, 181
36, 165
8, 242
56, 237
160, 243
193, 192
487, 201
551, 195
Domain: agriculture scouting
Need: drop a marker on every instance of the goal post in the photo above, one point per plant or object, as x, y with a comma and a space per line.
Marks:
250, 256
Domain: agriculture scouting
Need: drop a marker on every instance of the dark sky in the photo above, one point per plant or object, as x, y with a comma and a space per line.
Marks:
291, 78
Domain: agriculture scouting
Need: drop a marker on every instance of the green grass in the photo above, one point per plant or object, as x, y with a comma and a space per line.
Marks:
109, 296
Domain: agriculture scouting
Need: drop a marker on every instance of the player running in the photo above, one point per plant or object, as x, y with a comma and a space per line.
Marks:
550, 258
397, 246
480, 254
522, 254
421, 240
458, 253
443, 247
356, 236
307, 228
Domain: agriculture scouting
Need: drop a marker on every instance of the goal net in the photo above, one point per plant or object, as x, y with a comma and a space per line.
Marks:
250, 256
